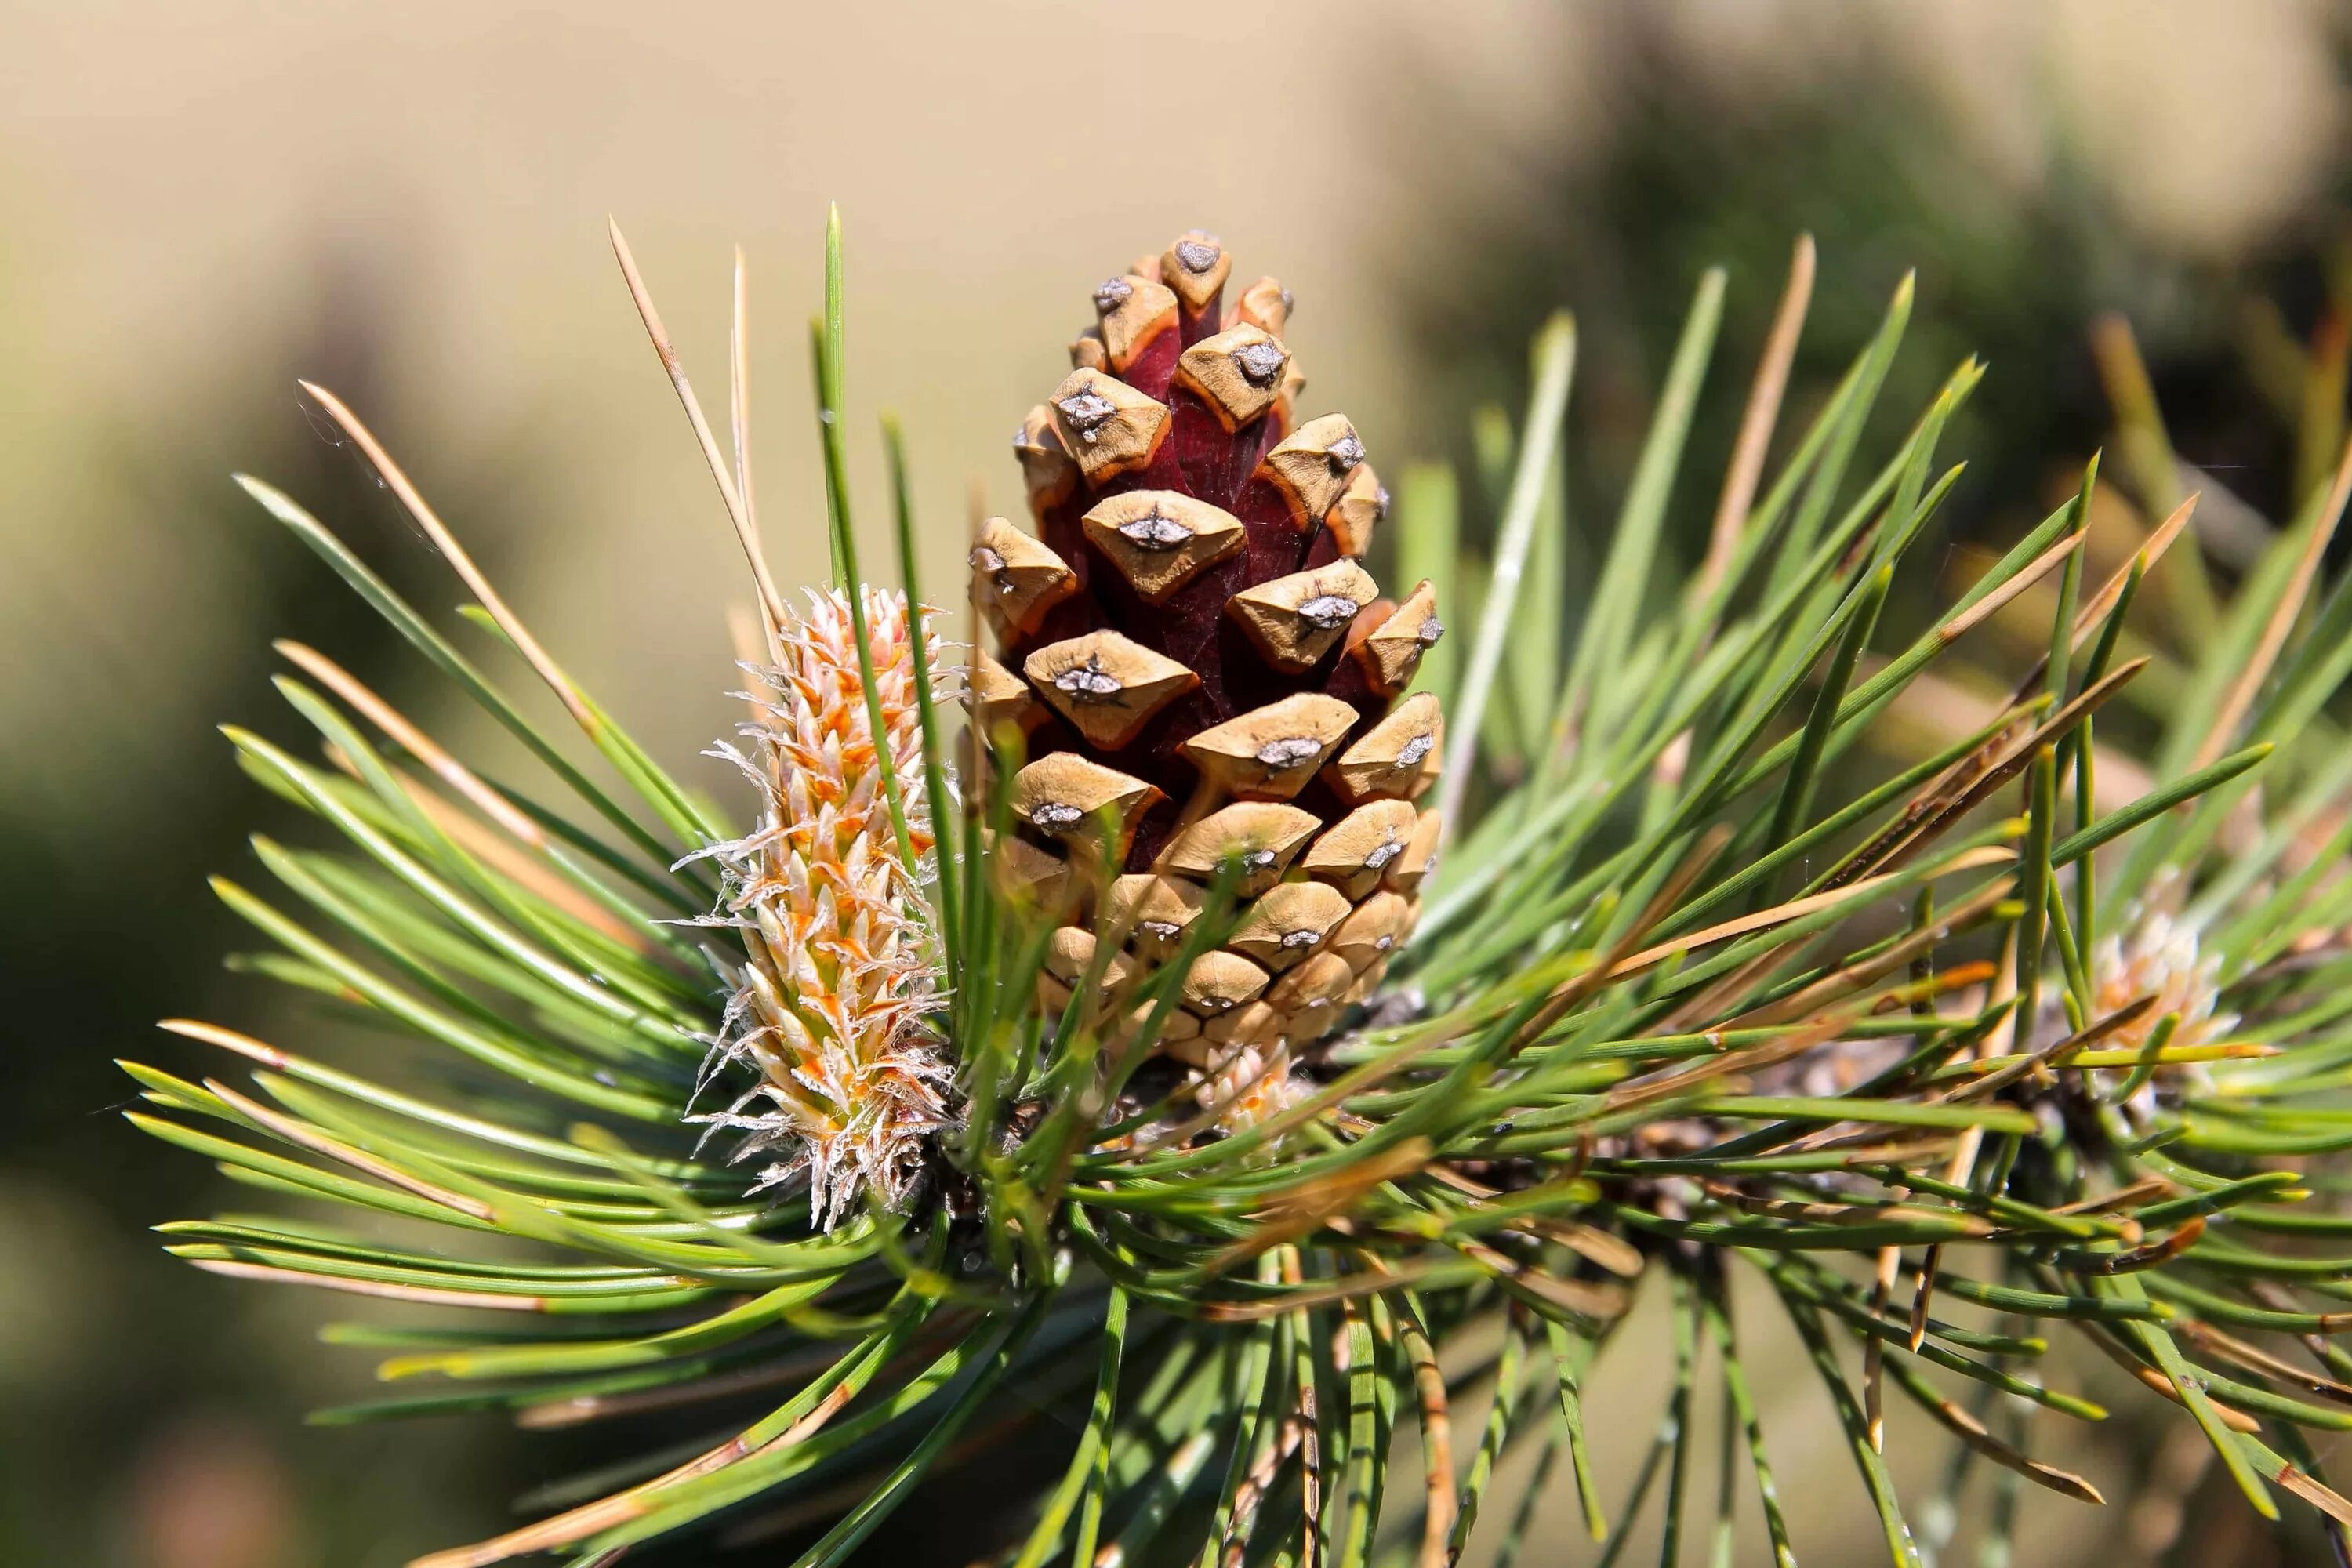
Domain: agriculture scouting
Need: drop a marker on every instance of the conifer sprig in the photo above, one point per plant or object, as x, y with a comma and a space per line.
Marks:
1955, 1058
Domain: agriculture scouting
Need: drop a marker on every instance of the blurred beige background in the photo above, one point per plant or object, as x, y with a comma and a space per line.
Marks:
407, 201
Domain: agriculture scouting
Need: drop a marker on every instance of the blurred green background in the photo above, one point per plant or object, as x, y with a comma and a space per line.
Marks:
208, 200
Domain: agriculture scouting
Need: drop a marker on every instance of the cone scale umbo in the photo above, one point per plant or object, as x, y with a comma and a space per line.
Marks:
1201, 668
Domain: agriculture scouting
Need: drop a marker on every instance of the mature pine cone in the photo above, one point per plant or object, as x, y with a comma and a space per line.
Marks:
1195, 651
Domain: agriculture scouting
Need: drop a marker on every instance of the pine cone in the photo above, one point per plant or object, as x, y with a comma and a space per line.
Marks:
1194, 652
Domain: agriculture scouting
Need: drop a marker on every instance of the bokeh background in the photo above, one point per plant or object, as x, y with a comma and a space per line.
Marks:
206, 199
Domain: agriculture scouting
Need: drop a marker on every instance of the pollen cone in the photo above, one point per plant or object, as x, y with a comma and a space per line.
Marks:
829, 1009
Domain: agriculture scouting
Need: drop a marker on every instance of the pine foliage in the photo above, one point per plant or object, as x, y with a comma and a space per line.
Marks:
1950, 1058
